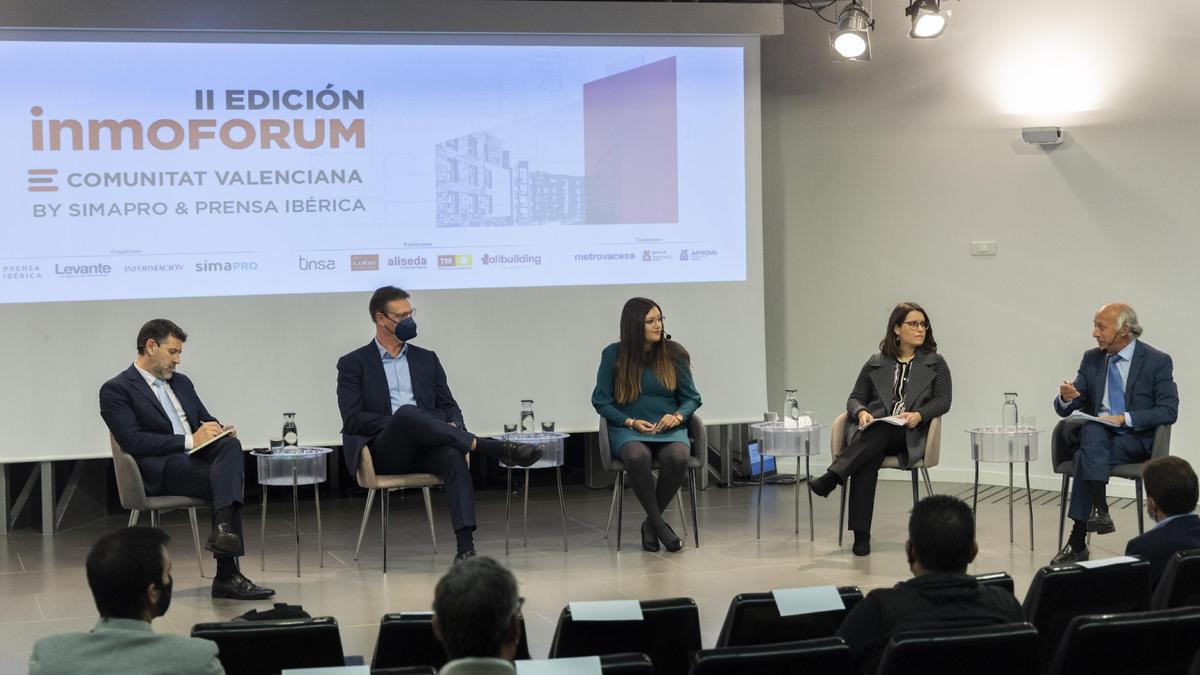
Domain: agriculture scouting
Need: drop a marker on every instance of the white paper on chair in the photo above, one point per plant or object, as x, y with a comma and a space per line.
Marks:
1105, 562
330, 670
575, 665
429, 613
810, 600
606, 610
1080, 417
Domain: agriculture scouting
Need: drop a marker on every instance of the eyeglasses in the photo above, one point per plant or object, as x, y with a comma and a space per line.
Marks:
653, 320
407, 315
917, 325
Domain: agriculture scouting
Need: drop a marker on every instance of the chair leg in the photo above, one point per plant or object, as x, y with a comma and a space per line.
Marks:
682, 512
384, 498
154, 519
196, 541
1062, 508
916, 491
612, 506
429, 515
695, 512
842, 513
928, 483
133, 517
620, 506
363, 527
1137, 486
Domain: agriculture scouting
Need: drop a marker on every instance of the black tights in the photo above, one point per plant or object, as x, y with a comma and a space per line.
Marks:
672, 463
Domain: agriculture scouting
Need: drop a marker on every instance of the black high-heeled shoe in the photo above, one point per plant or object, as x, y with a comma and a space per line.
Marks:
649, 538
672, 543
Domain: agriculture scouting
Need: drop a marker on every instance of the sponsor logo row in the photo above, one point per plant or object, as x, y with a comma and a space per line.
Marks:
363, 262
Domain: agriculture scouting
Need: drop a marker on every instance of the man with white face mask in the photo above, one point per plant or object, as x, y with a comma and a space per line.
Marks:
129, 572
1171, 495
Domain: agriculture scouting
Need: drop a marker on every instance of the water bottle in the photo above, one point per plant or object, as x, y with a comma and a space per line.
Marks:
1008, 413
290, 437
528, 423
791, 409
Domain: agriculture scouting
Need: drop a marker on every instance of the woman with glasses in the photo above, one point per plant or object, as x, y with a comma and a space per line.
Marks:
898, 391
644, 389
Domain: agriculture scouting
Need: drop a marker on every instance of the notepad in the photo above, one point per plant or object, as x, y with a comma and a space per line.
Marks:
576, 665
1080, 417
606, 610
810, 600
205, 444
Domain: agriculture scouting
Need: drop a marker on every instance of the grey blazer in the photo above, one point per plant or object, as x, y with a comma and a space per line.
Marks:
123, 646
929, 393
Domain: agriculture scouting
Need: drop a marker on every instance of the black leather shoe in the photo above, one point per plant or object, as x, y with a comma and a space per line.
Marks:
671, 542
824, 485
239, 587
224, 541
1100, 522
470, 553
1069, 554
521, 454
862, 544
649, 538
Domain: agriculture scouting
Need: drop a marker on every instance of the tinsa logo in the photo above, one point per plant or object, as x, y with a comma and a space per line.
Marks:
315, 265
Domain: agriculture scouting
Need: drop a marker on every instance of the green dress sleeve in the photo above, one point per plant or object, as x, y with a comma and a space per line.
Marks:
686, 394
602, 396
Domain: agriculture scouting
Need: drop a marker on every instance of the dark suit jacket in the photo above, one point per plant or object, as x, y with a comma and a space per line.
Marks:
929, 392
1151, 397
137, 420
1160, 543
366, 404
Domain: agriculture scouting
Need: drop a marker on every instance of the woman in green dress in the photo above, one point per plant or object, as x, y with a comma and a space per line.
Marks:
644, 389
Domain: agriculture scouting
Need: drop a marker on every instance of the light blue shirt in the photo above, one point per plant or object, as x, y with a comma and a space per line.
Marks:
1126, 355
398, 378
1168, 519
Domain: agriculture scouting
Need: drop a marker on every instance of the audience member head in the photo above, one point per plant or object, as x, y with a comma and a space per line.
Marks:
941, 536
129, 572
1171, 487
476, 610
908, 324
1115, 326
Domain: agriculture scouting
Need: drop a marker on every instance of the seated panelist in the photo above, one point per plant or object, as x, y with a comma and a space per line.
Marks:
394, 398
907, 381
644, 389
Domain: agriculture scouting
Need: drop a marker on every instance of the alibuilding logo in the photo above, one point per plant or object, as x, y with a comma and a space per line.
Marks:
521, 259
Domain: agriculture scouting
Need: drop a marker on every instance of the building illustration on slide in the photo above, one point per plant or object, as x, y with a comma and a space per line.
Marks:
630, 164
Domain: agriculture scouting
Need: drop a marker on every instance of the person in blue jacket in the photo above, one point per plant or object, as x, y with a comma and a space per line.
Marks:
644, 388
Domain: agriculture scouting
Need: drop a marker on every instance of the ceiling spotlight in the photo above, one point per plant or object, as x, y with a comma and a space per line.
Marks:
851, 40
928, 18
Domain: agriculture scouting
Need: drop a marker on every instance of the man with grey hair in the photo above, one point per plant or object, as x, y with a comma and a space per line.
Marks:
1128, 385
476, 616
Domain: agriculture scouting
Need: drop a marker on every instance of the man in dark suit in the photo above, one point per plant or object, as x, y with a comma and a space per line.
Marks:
394, 397
155, 415
1130, 386
941, 543
1171, 495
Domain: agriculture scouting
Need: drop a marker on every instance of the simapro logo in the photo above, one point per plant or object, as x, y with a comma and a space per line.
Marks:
458, 261
226, 266
93, 270
314, 265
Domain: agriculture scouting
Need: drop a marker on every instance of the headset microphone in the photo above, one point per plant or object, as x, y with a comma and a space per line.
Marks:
667, 335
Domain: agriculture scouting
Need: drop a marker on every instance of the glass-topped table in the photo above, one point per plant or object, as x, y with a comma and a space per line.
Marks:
782, 440
294, 466
553, 453
1009, 445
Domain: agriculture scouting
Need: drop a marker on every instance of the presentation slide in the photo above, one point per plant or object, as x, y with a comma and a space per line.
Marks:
162, 170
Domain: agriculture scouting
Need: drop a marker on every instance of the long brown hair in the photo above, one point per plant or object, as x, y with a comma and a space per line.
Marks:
890, 344
633, 358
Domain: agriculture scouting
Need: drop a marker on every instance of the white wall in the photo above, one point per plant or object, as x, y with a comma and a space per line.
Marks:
877, 175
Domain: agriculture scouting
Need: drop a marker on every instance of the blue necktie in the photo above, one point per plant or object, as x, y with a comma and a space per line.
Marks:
168, 407
1116, 387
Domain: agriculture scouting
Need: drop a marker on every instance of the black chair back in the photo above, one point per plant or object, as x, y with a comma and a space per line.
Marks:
828, 656
405, 670
1060, 593
629, 663
668, 632
1180, 582
753, 619
1160, 642
407, 639
997, 579
1004, 649
266, 647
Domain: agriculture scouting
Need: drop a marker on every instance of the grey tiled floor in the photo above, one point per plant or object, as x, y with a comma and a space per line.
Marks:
43, 588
